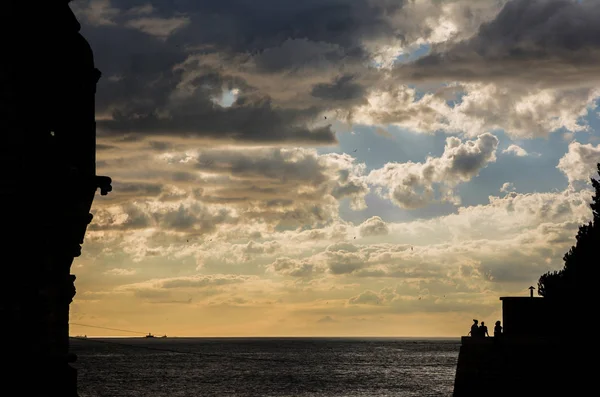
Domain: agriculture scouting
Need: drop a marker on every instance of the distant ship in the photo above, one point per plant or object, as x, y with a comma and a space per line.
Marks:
152, 336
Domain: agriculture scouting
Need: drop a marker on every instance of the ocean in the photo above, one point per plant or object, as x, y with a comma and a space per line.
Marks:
265, 367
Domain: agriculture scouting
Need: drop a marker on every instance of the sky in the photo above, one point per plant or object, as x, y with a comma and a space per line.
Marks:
333, 167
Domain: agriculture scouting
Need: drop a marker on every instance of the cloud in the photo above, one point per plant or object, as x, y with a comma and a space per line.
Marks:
515, 150
166, 71
159, 27
121, 272
293, 268
493, 239
507, 187
522, 111
374, 226
341, 89
200, 281
400, 105
366, 298
394, 299
176, 216
182, 289
206, 114
197, 191
168, 61
166, 67
528, 41
98, 12
342, 258
579, 163
458, 263
173, 302
411, 185
326, 320
150, 88
531, 70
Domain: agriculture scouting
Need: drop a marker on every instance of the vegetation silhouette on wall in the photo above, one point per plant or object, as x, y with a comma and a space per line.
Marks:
576, 279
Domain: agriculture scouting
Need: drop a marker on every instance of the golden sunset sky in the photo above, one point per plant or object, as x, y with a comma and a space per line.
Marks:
333, 167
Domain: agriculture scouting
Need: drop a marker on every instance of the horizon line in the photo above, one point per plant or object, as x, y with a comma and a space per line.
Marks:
158, 336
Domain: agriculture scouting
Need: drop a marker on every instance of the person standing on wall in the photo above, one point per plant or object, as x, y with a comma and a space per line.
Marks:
497, 329
483, 330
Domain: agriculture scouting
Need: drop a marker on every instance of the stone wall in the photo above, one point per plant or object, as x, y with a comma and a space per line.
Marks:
533, 356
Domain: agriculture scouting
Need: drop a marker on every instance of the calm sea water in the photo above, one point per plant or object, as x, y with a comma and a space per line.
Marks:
265, 367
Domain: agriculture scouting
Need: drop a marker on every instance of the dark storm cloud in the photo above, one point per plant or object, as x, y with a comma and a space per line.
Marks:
254, 25
343, 88
138, 189
551, 41
138, 46
246, 120
295, 54
159, 146
136, 67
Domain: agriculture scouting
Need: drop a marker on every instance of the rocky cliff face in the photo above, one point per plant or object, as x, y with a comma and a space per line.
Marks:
47, 158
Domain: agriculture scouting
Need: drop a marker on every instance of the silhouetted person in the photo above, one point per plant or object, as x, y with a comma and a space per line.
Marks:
474, 332
497, 329
483, 331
